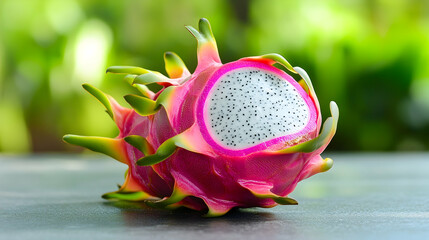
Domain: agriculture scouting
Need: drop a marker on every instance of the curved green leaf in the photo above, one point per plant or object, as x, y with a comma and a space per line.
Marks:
279, 59
145, 106
109, 146
140, 143
129, 78
205, 33
307, 80
101, 97
174, 65
127, 69
127, 196
153, 77
142, 105
285, 200
175, 197
165, 150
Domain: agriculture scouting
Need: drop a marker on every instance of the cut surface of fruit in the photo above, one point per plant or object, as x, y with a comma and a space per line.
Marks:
248, 104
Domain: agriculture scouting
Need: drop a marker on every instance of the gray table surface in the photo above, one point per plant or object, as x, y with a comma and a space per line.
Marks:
364, 196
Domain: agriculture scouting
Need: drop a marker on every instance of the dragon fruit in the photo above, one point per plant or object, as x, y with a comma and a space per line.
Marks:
241, 134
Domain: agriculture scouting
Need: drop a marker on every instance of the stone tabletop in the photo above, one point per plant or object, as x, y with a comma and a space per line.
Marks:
364, 196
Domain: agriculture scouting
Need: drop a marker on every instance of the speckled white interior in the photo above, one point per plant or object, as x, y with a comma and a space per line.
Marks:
248, 106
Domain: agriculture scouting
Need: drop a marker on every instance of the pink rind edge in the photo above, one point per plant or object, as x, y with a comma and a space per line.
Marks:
262, 146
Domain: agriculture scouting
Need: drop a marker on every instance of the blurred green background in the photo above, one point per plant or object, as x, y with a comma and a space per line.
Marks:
371, 57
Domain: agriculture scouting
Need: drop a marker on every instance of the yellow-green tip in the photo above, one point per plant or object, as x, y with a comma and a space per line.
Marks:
328, 163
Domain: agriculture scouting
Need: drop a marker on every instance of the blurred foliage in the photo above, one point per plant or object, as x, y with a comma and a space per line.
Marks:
371, 57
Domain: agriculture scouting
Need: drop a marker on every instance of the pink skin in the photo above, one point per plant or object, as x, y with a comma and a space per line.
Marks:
237, 177
210, 179
182, 113
130, 123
